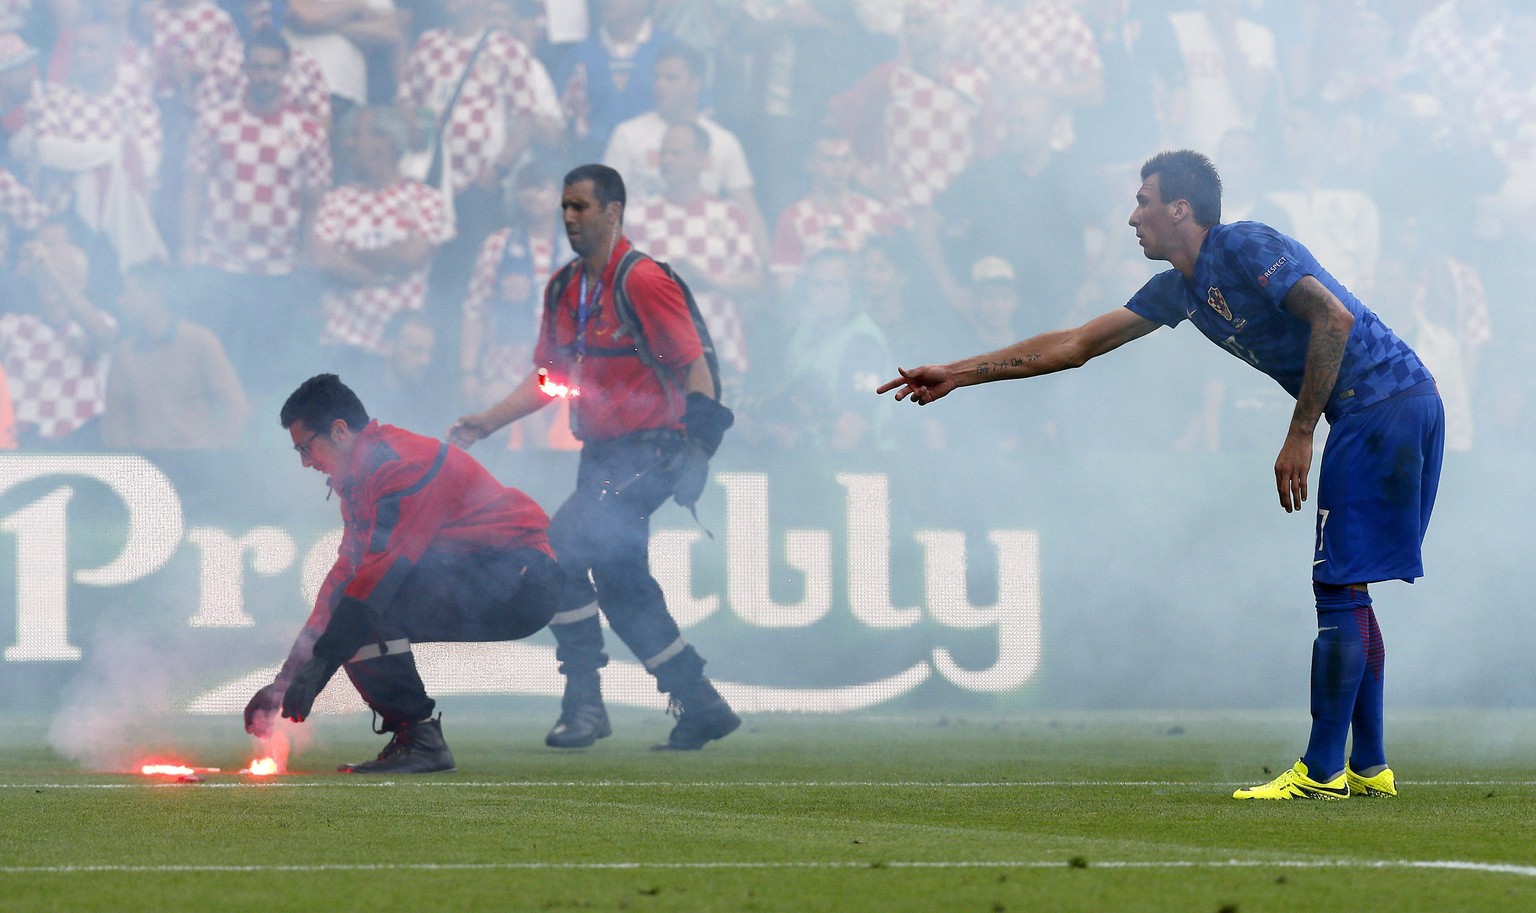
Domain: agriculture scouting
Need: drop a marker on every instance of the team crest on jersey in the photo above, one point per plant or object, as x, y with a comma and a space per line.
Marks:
1218, 303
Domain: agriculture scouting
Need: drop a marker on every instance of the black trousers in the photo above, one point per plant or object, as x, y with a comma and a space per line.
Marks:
602, 537
452, 597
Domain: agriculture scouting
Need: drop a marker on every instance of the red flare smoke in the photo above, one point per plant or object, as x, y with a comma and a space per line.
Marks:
262, 767
553, 389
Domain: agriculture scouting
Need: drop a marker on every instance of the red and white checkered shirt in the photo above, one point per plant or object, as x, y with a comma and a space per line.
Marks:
304, 88
508, 82
202, 32
1458, 63
260, 169
810, 226
356, 218
711, 235
57, 379
18, 205
124, 117
509, 302
1045, 44
931, 129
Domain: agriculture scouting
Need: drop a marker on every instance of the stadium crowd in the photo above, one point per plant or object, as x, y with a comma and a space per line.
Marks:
201, 202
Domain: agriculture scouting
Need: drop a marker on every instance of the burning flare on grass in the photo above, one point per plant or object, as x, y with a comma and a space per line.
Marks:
262, 767
271, 756
167, 770
180, 773
554, 389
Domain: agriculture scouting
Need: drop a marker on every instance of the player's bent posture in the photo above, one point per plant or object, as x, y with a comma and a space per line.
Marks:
1263, 297
435, 549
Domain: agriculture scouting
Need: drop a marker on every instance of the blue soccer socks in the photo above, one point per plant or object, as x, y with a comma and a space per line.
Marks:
1339, 660
1368, 748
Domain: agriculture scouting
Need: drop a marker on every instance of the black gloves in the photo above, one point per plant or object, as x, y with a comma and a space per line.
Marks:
307, 684
705, 421
351, 626
262, 708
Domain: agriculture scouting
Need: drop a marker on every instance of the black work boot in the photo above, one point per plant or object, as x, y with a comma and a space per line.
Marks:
583, 718
702, 716
417, 748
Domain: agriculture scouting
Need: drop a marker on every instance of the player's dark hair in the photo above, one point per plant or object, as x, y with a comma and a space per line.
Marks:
1184, 174
607, 184
692, 60
268, 38
322, 400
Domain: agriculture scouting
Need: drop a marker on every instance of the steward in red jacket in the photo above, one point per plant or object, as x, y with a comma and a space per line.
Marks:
619, 329
435, 549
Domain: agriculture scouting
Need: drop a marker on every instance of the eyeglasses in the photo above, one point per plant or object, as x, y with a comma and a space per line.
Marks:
303, 449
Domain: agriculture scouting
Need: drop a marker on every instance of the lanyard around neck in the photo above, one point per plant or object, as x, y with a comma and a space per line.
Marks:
587, 309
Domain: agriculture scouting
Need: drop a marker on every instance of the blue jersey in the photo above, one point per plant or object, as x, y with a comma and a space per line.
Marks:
1242, 275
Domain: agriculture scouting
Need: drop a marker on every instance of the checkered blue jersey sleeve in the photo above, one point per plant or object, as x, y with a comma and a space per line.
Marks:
1162, 299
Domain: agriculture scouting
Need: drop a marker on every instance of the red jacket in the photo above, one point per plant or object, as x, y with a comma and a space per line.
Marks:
402, 493
620, 393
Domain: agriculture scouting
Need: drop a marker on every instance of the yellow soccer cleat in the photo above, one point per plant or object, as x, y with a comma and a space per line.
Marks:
1383, 784
1295, 784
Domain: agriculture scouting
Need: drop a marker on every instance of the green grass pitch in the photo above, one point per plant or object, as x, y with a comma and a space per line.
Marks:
987, 813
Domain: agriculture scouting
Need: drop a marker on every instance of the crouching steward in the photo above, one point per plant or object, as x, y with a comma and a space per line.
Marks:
435, 549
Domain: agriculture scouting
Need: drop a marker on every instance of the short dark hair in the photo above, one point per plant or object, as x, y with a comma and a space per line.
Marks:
269, 38
1184, 174
607, 184
692, 60
322, 400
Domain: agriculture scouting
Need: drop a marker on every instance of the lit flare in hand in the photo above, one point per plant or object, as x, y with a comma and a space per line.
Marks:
554, 389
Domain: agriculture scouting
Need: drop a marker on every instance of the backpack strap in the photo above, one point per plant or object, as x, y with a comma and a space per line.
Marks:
553, 292
629, 321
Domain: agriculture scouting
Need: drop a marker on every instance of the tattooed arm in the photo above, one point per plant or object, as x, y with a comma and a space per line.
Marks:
1057, 350
1331, 324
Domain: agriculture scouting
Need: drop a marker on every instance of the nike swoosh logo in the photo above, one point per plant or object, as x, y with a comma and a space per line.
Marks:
1328, 790
1318, 561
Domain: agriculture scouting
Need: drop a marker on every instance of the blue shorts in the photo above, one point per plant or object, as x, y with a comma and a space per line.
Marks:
1376, 487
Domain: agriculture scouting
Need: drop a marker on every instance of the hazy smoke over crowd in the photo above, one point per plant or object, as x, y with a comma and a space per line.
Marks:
971, 166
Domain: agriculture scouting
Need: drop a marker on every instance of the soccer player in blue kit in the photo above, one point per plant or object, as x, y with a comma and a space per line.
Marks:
1263, 297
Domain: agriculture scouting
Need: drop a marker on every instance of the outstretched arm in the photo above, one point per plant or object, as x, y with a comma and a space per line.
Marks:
1046, 353
1331, 323
525, 399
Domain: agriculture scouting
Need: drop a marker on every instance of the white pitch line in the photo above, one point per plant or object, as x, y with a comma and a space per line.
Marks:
1490, 868
356, 782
